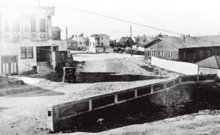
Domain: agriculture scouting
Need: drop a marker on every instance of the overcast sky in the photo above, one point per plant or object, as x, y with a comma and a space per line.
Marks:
194, 17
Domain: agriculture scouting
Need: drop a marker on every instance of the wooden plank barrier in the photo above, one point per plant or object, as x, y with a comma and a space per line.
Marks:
65, 111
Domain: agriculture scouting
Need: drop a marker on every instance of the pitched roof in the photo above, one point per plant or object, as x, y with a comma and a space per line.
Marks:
210, 62
56, 28
123, 39
190, 42
99, 35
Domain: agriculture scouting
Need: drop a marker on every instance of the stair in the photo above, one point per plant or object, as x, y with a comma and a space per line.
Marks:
44, 67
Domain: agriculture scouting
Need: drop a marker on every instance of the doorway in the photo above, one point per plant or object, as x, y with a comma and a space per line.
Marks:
44, 54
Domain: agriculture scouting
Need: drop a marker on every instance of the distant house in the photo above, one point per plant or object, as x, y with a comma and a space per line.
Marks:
81, 42
188, 49
210, 65
113, 43
101, 40
125, 42
72, 44
143, 40
56, 33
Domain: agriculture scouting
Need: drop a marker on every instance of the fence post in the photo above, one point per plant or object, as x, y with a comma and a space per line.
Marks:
116, 98
152, 89
50, 118
180, 79
135, 93
197, 78
90, 104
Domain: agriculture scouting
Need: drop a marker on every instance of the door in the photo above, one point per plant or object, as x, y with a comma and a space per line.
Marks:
9, 64
44, 54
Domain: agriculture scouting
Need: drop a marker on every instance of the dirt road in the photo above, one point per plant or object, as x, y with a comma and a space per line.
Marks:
23, 110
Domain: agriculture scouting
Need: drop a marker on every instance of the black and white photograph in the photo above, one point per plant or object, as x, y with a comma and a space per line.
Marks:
109, 67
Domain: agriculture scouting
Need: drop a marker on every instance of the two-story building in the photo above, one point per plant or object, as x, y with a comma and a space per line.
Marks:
25, 38
81, 42
99, 42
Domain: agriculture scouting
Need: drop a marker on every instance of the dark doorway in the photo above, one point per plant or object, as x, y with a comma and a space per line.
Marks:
44, 54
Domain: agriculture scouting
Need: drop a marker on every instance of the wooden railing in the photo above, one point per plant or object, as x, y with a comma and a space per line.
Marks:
60, 112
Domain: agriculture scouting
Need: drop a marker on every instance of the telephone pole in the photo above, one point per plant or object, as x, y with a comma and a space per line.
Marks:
131, 40
66, 33
39, 2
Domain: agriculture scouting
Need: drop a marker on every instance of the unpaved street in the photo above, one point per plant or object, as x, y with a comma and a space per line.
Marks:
23, 110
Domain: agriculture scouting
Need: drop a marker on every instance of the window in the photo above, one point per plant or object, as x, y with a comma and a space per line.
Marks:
6, 26
194, 56
184, 55
215, 52
148, 53
101, 43
171, 54
201, 54
30, 52
16, 25
26, 52
80, 43
42, 25
33, 25
23, 52
208, 53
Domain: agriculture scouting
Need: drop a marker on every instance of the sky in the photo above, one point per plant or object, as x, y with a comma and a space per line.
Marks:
194, 17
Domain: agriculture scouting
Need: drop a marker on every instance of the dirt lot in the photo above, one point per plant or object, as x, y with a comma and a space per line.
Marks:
23, 109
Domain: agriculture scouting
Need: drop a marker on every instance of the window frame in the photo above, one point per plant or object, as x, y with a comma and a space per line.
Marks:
33, 29
26, 51
42, 25
16, 25
6, 25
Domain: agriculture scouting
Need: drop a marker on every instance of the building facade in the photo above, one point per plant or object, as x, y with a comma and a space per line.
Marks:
80, 42
25, 38
56, 33
187, 49
101, 40
126, 42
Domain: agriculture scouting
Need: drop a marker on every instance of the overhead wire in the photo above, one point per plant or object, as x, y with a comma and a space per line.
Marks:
168, 31
112, 17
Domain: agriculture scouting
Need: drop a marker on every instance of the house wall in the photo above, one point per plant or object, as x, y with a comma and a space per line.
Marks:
56, 35
11, 42
105, 40
208, 70
176, 66
163, 51
62, 44
81, 42
92, 44
197, 54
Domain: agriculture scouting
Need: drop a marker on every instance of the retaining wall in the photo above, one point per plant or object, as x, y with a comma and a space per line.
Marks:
176, 66
58, 114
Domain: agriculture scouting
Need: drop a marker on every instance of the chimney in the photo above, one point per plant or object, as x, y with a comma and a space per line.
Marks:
184, 38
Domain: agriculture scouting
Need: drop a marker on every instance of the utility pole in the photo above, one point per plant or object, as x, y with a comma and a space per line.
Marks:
131, 40
66, 33
39, 2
